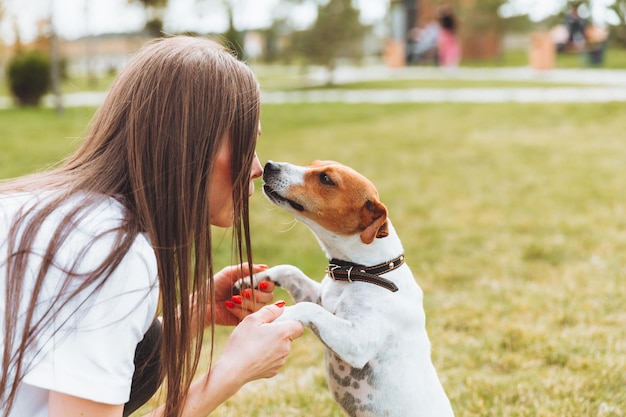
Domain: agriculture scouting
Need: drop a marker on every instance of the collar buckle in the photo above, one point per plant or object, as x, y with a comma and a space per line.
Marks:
331, 270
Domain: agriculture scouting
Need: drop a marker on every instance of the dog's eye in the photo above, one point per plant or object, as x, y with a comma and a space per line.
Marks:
325, 179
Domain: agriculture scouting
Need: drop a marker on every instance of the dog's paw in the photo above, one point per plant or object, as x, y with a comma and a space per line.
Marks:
302, 312
311, 315
243, 284
289, 314
277, 274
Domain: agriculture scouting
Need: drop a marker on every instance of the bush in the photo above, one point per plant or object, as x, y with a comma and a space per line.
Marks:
28, 74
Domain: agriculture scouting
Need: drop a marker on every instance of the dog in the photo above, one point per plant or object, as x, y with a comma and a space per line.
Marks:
367, 310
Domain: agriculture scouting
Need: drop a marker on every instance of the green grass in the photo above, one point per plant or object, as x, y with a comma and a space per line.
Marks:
445, 84
73, 84
32, 139
513, 219
614, 58
274, 78
508, 58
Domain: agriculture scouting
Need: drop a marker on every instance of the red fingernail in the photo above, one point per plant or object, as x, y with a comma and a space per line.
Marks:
247, 293
280, 303
263, 285
237, 298
229, 304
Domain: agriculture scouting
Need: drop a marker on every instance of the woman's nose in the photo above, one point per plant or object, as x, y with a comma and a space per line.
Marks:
257, 169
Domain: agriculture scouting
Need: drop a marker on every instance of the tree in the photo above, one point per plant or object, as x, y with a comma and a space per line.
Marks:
1, 16
336, 33
483, 16
155, 10
618, 32
481, 26
28, 74
233, 36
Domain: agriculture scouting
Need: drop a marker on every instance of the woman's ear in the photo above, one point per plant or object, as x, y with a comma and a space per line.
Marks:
373, 221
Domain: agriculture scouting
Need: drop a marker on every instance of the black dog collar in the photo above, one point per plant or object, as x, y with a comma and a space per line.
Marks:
339, 270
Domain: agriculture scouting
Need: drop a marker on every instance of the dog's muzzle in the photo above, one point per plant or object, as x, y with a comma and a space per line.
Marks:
272, 180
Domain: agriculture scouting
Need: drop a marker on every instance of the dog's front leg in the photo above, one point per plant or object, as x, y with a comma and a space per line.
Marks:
300, 287
353, 341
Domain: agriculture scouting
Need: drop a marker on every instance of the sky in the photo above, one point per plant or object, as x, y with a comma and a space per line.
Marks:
540, 9
76, 18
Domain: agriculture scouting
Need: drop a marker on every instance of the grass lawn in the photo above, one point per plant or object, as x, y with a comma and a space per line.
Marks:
614, 58
446, 84
34, 138
277, 78
513, 219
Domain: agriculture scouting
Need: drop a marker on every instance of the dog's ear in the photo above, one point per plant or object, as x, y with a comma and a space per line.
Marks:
374, 221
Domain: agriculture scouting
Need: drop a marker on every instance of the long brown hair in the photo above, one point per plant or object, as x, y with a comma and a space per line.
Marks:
152, 146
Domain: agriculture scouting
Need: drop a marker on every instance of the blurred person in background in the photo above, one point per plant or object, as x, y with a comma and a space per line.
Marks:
576, 27
448, 44
423, 43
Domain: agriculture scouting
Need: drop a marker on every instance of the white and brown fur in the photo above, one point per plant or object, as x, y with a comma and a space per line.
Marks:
378, 358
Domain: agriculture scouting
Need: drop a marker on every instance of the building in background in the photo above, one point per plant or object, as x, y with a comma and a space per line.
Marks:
480, 29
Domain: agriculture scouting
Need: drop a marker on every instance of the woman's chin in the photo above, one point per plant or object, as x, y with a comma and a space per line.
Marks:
225, 222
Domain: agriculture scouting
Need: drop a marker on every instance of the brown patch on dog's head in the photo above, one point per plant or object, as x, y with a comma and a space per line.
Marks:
340, 200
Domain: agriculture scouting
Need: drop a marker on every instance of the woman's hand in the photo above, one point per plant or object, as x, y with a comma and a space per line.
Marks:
256, 349
229, 309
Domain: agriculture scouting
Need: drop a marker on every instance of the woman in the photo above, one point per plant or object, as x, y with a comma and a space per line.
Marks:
90, 250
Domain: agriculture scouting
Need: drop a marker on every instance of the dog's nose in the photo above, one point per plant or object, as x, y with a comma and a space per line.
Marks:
271, 166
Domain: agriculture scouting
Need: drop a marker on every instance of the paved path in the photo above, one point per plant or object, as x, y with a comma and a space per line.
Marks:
594, 85
586, 76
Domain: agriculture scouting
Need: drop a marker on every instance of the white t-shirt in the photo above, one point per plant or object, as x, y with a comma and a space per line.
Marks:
88, 349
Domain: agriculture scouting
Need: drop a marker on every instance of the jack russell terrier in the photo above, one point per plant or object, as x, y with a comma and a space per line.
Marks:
368, 308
